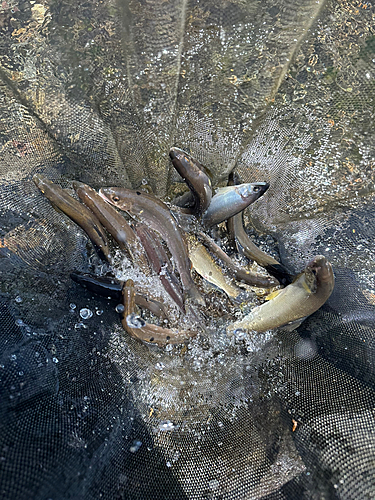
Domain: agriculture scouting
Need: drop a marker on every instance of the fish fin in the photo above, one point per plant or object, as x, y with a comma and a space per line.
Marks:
293, 325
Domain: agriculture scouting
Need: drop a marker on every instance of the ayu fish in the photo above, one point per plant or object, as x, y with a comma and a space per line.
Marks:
294, 303
112, 288
157, 215
231, 200
244, 244
194, 176
114, 223
206, 267
137, 328
77, 212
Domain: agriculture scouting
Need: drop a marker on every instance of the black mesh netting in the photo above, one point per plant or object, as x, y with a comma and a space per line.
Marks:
281, 91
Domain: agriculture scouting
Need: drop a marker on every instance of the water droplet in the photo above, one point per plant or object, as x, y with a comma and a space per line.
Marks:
135, 446
21, 373
72, 306
18, 299
168, 347
159, 366
297, 393
13, 357
85, 313
55, 360
120, 308
168, 464
166, 425
99, 312
135, 321
19, 322
239, 334
79, 325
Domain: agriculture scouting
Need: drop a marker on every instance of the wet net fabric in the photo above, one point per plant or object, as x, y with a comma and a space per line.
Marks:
282, 92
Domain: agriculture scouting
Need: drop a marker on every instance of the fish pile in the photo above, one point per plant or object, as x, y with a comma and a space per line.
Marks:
159, 234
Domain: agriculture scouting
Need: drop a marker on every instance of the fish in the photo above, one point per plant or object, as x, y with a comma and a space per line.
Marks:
77, 212
294, 303
157, 215
246, 246
194, 176
238, 237
114, 223
112, 288
230, 200
160, 263
206, 267
240, 273
137, 328
101, 285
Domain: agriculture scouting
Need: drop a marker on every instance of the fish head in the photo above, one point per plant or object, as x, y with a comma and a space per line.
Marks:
111, 195
80, 185
322, 270
252, 191
177, 153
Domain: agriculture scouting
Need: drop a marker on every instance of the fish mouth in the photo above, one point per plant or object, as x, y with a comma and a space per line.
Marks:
105, 196
322, 269
178, 154
261, 187
77, 184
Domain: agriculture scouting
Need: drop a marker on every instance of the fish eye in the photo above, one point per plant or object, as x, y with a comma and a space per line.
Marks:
115, 198
138, 193
256, 189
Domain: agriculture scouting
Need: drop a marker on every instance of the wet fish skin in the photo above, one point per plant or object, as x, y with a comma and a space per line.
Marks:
196, 179
240, 273
239, 237
111, 287
77, 212
246, 246
300, 299
158, 259
206, 267
157, 215
101, 285
231, 200
114, 223
148, 332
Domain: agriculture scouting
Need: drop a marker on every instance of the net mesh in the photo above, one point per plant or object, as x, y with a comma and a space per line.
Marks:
98, 92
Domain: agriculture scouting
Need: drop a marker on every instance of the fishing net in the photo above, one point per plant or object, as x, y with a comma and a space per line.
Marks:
280, 91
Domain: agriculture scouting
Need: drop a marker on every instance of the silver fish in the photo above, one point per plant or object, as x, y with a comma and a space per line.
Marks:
231, 200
